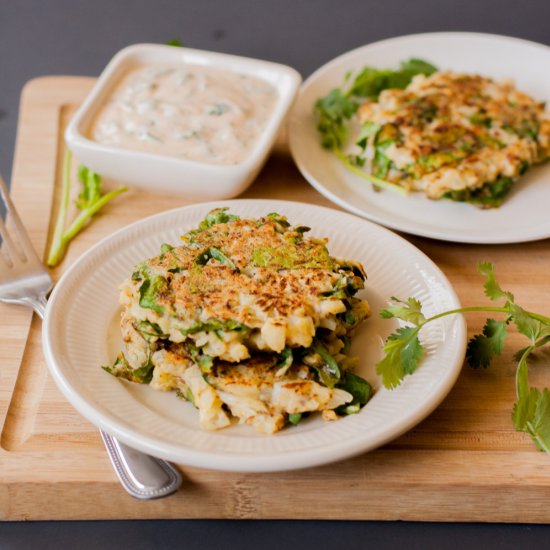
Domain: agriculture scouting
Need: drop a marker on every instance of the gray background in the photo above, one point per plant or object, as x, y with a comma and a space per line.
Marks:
43, 37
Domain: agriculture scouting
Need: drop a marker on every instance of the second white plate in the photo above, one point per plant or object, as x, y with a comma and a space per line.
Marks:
523, 216
81, 333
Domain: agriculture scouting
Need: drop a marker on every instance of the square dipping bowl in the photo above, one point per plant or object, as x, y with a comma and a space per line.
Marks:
175, 175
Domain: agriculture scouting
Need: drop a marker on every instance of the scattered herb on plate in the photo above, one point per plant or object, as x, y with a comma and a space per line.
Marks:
403, 350
89, 202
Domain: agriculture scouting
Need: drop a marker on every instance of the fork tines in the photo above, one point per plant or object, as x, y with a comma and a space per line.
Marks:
15, 246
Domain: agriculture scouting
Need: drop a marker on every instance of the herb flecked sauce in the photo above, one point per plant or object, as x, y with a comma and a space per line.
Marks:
193, 112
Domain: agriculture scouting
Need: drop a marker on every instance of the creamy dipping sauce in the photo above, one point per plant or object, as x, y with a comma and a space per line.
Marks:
193, 112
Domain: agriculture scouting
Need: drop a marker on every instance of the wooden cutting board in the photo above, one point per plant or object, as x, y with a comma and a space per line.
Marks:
463, 463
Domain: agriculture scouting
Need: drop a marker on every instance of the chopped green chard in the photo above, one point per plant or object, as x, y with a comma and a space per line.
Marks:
186, 395
151, 289
214, 254
205, 363
490, 195
278, 219
328, 370
164, 248
214, 325
403, 350
286, 359
150, 331
359, 388
219, 215
294, 418
122, 369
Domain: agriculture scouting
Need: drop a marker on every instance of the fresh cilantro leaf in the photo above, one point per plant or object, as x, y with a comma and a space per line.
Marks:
418, 66
540, 342
483, 347
332, 111
411, 354
524, 410
531, 413
370, 81
403, 351
522, 375
526, 325
491, 286
410, 311
539, 424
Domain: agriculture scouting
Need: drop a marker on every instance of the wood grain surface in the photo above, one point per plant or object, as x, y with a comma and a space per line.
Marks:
463, 463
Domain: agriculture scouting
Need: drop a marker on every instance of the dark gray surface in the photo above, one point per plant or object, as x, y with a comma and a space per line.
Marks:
42, 37
267, 535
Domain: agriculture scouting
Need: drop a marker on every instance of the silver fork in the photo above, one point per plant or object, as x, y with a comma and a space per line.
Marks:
25, 281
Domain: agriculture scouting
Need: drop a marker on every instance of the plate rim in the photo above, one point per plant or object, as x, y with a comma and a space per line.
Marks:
406, 226
239, 462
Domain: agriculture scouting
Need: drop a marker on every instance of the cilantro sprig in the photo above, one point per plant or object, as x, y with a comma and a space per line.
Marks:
403, 350
335, 111
89, 202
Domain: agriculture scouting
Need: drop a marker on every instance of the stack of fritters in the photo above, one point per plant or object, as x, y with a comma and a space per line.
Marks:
247, 318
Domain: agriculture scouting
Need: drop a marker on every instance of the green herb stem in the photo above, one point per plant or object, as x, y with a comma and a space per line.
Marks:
540, 442
79, 223
90, 201
372, 179
58, 247
487, 309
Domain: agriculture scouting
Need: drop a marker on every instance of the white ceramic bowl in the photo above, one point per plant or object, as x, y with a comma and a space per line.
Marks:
171, 175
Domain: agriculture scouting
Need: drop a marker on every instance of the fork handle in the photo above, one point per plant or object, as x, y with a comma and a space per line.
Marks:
38, 304
142, 476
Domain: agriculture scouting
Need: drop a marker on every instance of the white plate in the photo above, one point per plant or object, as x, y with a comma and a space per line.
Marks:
80, 334
523, 216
